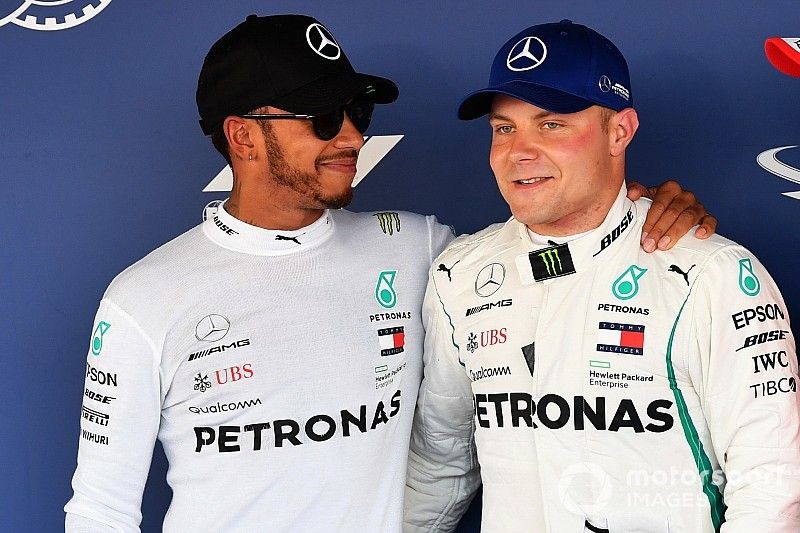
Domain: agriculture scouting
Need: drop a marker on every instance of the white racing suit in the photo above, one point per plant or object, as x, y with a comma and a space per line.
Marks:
604, 388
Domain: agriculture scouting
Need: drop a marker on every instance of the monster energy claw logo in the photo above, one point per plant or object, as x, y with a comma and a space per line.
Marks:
748, 281
389, 221
551, 262
384, 289
549, 258
97, 337
626, 286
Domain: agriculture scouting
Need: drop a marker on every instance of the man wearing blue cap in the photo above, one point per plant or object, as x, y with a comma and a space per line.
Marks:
590, 386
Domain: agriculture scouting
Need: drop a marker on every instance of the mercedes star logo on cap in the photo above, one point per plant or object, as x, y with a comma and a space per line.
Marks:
521, 57
212, 328
490, 279
322, 42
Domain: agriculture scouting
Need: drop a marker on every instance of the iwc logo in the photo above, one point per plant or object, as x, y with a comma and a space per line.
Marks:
49, 15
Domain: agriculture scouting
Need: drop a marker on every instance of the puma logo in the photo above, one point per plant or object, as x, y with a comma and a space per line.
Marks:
443, 268
677, 269
285, 238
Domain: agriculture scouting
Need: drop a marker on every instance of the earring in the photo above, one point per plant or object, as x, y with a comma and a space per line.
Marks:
251, 157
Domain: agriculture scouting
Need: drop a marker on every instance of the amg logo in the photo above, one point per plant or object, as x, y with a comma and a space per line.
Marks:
484, 307
220, 348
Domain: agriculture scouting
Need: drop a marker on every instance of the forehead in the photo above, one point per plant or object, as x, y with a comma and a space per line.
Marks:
510, 107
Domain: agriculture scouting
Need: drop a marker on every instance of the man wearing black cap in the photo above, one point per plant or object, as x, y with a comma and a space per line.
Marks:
274, 350
612, 390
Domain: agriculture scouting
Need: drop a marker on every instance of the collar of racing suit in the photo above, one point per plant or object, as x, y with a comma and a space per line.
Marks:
230, 232
588, 247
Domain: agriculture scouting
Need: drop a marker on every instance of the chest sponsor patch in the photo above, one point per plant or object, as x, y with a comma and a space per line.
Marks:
620, 338
392, 340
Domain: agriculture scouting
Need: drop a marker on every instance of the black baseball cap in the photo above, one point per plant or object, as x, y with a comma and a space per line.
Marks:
288, 61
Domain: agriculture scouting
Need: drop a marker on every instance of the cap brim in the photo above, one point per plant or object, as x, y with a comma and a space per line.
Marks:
328, 93
479, 102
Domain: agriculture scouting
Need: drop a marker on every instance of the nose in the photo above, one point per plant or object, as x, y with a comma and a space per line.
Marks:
348, 137
523, 148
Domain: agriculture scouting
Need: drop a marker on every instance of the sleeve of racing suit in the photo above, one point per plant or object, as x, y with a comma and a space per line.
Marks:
443, 472
118, 427
747, 379
440, 236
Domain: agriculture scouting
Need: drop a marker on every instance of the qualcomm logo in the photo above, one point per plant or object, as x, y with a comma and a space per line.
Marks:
375, 149
49, 15
769, 161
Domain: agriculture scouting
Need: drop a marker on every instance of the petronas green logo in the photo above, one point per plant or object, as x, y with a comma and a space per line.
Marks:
748, 281
626, 286
97, 337
384, 289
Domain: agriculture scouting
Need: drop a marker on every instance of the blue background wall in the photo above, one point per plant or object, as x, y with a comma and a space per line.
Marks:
102, 160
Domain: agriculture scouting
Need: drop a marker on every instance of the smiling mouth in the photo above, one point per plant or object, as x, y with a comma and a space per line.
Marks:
529, 181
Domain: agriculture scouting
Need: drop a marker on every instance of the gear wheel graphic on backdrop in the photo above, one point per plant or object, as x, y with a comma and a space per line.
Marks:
49, 15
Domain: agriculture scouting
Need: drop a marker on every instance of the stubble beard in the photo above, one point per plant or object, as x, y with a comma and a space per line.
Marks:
305, 184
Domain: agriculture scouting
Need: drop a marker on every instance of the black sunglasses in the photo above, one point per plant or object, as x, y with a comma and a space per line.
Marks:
327, 126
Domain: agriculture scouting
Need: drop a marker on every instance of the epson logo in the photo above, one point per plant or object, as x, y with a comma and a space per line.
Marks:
485, 307
519, 409
219, 349
761, 313
101, 377
278, 433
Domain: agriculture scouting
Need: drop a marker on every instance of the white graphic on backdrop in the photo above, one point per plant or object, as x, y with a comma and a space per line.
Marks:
50, 15
375, 149
769, 161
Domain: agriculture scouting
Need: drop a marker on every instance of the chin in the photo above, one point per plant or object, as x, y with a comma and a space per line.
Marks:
339, 201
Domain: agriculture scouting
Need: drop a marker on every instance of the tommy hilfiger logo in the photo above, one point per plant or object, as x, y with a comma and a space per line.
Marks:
620, 338
392, 340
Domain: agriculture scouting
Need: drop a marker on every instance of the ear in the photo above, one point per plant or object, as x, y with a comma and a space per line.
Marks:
622, 127
240, 135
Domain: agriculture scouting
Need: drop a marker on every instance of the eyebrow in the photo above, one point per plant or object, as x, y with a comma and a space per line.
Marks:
538, 116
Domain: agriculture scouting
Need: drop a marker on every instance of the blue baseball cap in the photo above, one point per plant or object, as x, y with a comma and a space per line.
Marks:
561, 67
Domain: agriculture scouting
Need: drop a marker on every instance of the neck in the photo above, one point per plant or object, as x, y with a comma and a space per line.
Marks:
268, 209
584, 218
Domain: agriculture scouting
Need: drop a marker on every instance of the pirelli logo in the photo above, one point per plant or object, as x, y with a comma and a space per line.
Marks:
389, 221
